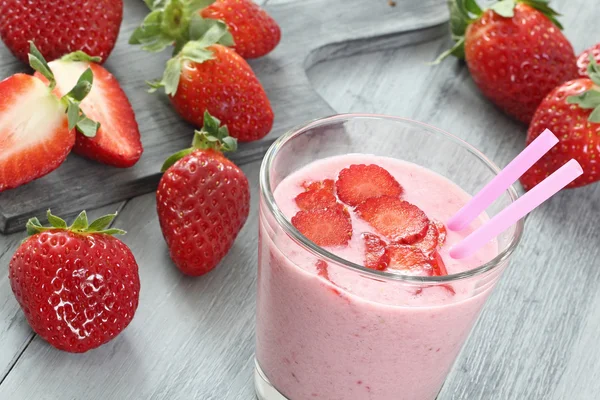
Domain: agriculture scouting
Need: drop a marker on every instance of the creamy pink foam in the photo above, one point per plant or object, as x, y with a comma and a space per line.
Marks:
354, 336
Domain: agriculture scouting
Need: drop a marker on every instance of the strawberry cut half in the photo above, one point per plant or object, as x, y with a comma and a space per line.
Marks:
34, 134
325, 227
360, 182
315, 199
398, 220
376, 256
117, 142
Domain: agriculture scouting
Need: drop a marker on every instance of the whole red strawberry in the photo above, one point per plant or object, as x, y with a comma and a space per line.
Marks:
515, 52
78, 286
254, 32
572, 112
203, 200
117, 141
60, 27
206, 76
36, 127
583, 61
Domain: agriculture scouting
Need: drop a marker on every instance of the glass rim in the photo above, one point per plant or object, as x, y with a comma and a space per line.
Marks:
267, 194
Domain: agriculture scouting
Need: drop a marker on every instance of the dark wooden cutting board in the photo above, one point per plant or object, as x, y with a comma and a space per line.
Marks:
342, 27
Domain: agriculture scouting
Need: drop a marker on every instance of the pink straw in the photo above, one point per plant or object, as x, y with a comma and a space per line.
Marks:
517, 210
513, 171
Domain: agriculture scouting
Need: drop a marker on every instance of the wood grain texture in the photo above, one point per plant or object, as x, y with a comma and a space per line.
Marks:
312, 30
193, 338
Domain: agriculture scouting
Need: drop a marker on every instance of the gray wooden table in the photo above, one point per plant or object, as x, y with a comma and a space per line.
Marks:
194, 338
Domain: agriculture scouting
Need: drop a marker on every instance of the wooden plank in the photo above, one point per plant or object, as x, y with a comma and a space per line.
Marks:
15, 333
308, 36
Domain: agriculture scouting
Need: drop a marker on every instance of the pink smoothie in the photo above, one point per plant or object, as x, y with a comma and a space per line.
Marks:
355, 336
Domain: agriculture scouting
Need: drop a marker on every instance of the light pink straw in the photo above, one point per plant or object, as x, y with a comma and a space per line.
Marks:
517, 210
513, 171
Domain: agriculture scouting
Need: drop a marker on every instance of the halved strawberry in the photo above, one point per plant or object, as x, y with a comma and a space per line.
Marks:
327, 184
37, 128
117, 142
441, 232
430, 242
376, 256
398, 220
360, 182
34, 134
325, 227
315, 199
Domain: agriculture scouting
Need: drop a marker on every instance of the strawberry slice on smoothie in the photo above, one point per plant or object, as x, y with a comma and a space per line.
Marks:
325, 227
376, 256
317, 195
398, 220
358, 183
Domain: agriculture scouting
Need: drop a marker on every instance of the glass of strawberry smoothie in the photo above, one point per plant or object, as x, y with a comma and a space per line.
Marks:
358, 297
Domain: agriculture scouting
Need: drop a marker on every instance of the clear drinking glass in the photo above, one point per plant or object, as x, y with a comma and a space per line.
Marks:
320, 340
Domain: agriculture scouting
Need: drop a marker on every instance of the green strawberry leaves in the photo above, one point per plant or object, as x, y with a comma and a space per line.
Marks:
213, 32
462, 13
75, 115
590, 99
212, 136
79, 225
81, 56
171, 22
71, 101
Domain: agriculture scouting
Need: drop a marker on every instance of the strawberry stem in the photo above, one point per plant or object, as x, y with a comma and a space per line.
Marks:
211, 32
75, 116
79, 225
212, 136
81, 56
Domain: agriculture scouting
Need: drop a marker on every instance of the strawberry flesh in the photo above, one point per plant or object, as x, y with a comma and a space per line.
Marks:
441, 228
410, 260
376, 256
325, 227
430, 242
327, 184
413, 261
318, 195
398, 220
360, 182
117, 142
34, 134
